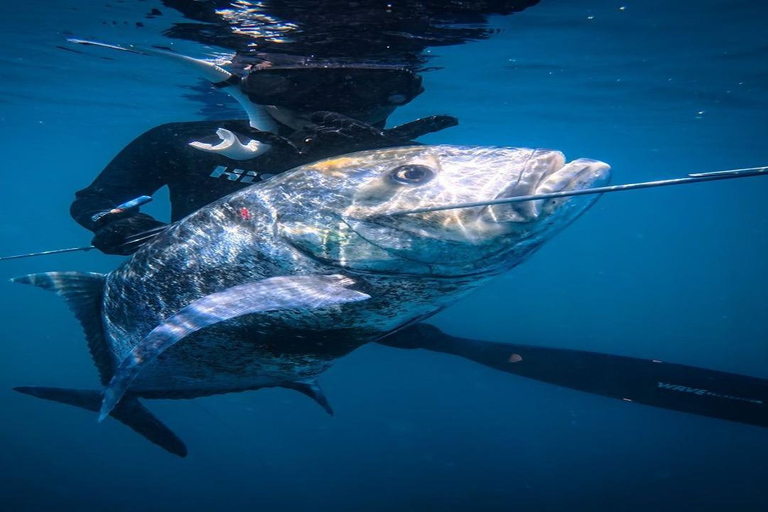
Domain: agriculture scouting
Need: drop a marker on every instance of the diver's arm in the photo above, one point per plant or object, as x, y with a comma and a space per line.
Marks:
141, 168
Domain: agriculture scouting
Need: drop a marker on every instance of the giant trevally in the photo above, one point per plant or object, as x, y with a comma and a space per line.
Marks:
269, 286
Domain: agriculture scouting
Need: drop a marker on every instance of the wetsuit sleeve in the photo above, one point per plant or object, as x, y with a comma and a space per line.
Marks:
141, 168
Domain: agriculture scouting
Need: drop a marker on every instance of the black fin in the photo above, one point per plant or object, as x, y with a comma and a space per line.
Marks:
83, 292
313, 391
677, 387
129, 412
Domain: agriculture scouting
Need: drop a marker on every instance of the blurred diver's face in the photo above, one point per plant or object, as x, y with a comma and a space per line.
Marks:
367, 93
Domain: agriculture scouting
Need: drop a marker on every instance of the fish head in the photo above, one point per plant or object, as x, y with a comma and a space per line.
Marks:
345, 210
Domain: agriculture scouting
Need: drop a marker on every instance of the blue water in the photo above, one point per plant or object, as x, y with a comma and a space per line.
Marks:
657, 89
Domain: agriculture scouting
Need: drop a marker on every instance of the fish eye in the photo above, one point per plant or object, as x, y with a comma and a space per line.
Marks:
412, 174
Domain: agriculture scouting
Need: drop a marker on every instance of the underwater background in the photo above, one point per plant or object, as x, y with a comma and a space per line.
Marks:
656, 88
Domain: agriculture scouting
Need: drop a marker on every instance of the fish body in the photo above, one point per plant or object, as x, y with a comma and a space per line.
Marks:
271, 285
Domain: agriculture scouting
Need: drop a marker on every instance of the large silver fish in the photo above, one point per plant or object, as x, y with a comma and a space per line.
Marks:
269, 286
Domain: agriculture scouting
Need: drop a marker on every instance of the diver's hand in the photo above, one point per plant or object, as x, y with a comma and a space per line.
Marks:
332, 133
126, 235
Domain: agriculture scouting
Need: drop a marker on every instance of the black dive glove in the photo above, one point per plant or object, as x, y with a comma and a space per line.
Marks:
126, 235
330, 134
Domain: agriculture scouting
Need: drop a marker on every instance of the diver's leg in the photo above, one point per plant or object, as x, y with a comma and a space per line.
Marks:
670, 386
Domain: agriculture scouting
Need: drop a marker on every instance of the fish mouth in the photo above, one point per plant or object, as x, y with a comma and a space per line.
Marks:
546, 171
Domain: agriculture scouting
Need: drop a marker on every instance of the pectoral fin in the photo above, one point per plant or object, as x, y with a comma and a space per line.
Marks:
271, 294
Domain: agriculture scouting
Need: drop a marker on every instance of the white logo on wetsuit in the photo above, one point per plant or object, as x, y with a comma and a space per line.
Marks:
240, 175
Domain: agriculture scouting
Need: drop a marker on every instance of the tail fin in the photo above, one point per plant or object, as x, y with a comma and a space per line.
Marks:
83, 292
129, 412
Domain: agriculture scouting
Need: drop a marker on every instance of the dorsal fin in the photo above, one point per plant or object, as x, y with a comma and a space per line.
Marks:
83, 292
